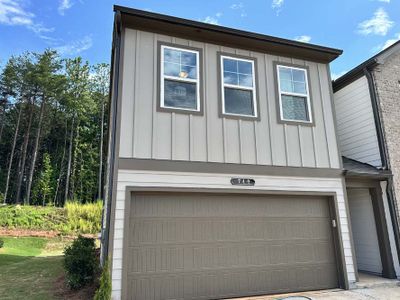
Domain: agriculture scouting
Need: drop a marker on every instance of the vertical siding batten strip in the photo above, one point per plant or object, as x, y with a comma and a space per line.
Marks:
259, 113
300, 146
173, 136
313, 144
154, 97
191, 137
319, 131
323, 116
286, 144
224, 140
268, 107
240, 141
137, 48
206, 70
255, 128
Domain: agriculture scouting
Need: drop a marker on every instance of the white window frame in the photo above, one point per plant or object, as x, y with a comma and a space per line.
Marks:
189, 80
238, 87
307, 96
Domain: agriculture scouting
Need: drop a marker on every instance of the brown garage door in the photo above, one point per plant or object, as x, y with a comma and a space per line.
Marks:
197, 246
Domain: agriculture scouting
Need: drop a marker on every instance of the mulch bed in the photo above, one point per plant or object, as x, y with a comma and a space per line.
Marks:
37, 233
62, 291
27, 232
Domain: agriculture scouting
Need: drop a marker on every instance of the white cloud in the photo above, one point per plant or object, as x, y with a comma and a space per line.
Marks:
12, 13
379, 24
390, 42
386, 1
239, 6
75, 47
387, 44
303, 38
210, 20
63, 6
337, 75
276, 4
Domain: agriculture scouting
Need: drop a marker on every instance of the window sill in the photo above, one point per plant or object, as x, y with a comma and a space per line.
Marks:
180, 111
239, 117
293, 122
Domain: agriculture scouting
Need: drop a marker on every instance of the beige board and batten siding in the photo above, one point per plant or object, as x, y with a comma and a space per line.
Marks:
148, 134
355, 123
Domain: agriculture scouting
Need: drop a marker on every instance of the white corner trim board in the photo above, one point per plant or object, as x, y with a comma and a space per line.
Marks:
149, 179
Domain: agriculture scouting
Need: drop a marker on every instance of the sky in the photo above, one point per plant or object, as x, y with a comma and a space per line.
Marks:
361, 28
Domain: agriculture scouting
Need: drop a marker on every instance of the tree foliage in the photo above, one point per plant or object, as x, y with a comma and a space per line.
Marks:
53, 118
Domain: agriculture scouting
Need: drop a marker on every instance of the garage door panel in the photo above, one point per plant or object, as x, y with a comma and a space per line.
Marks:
175, 205
175, 230
213, 246
222, 255
230, 283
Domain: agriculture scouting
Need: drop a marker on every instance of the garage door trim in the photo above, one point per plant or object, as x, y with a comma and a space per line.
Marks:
336, 236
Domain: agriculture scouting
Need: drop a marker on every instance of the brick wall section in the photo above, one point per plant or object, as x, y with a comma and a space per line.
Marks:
387, 81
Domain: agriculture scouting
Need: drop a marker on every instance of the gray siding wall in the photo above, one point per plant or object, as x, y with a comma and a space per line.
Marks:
146, 133
355, 123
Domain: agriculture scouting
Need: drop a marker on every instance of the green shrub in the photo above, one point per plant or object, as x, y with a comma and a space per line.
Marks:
84, 218
104, 290
75, 218
1, 243
80, 262
31, 217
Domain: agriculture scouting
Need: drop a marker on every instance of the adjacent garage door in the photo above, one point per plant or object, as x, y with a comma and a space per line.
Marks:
198, 246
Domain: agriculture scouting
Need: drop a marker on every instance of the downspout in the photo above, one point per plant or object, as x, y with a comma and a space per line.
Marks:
114, 79
384, 156
377, 119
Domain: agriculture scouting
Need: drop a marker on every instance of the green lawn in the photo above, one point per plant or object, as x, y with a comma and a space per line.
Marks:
29, 267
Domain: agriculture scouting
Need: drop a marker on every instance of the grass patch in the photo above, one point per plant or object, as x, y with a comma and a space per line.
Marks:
24, 273
23, 246
29, 277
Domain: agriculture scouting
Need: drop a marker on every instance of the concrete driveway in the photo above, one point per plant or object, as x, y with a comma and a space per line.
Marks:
369, 287
373, 293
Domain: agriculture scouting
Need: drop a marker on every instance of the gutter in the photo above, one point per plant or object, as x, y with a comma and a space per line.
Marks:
114, 79
384, 156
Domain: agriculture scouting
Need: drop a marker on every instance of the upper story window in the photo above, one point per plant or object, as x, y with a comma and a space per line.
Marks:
180, 79
238, 86
294, 94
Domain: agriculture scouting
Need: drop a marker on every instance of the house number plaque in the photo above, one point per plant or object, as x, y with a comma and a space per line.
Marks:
243, 181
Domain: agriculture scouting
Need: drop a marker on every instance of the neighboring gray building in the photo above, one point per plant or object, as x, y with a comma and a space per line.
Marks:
224, 174
368, 112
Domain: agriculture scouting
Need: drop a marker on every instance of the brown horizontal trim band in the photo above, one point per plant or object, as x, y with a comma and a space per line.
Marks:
218, 191
224, 168
200, 31
381, 176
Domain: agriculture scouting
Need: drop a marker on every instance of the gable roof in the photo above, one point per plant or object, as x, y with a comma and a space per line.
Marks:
163, 24
369, 64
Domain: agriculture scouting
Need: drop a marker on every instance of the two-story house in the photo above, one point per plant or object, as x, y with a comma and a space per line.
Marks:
224, 174
368, 111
